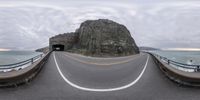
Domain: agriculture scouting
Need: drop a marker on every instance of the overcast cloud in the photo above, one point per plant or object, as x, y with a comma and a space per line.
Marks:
155, 23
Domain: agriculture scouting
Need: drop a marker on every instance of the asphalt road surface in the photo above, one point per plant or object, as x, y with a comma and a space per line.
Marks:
74, 77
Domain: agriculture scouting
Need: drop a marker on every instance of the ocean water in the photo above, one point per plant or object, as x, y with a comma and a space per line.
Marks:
11, 57
186, 57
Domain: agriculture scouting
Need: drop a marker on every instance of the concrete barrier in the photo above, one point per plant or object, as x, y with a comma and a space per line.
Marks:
23, 76
178, 76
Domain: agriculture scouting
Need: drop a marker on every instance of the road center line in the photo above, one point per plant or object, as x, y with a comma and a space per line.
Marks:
102, 64
100, 90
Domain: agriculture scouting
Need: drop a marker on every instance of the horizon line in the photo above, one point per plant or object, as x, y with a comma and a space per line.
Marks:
182, 49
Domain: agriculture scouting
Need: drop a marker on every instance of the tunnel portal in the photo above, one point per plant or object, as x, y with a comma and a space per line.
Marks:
58, 47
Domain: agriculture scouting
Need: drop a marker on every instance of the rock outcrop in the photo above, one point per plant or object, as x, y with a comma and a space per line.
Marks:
44, 50
98, 38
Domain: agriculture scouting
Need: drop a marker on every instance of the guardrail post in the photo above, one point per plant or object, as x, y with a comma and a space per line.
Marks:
168, 62
31, 60
198, 69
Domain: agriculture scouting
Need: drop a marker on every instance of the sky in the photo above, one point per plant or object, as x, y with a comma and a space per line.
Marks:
28, 24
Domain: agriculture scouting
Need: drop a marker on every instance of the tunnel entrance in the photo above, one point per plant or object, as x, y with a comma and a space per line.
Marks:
58, 47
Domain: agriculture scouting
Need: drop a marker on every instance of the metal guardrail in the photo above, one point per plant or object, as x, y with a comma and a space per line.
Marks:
20, 65
178, 65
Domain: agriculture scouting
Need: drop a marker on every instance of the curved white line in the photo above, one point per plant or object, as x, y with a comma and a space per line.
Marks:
100, 90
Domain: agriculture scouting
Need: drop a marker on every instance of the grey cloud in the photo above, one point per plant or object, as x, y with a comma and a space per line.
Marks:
162, 25
30, 27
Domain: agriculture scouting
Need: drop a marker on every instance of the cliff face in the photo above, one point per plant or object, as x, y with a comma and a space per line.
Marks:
106, 37
99, 38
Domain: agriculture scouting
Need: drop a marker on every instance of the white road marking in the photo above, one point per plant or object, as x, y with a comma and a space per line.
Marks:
100, 90
101, 64
92, 57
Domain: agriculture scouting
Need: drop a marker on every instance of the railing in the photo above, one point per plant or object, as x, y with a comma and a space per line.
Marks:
19, 65
178, 65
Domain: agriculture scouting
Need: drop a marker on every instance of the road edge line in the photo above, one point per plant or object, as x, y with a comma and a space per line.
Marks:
100, 90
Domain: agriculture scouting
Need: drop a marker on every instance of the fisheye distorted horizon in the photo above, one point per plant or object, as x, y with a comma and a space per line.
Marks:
27, 25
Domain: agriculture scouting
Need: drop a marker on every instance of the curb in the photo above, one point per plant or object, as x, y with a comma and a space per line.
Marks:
23, 76
178, 76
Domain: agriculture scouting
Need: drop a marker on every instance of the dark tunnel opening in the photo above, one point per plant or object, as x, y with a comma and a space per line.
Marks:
58, 47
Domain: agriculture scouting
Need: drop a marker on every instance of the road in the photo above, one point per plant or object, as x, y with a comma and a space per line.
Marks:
73, 77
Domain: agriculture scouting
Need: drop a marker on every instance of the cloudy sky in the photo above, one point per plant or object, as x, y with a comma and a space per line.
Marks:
28, 24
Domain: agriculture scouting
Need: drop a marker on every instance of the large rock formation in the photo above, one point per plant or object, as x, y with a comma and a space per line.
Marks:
98, 38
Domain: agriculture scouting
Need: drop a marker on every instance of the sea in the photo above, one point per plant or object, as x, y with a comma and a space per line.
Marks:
185, 57
11, 57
